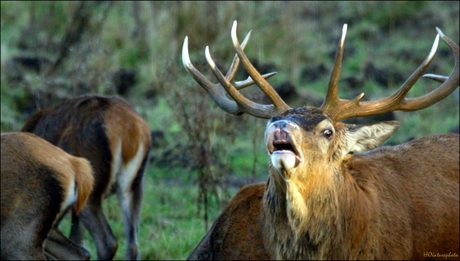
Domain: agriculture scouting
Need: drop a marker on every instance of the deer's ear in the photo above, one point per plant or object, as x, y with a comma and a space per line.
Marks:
368, 137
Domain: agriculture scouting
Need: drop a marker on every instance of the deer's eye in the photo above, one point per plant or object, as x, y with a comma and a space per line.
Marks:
327, 133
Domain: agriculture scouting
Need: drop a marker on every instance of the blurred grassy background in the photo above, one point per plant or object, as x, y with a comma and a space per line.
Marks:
201, 156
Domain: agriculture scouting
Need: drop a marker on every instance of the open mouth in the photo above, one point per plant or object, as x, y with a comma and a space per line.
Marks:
281, 141
283, 145
282, 150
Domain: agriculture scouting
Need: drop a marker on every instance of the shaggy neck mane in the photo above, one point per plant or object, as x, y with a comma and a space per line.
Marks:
304, 218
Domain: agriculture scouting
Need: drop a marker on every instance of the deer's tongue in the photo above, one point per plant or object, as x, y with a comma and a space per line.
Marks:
284, 159
282, 151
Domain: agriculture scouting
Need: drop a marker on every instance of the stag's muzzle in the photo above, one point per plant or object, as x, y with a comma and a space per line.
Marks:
281, 145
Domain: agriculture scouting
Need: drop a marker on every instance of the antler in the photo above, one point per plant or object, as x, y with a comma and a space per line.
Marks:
239, 104
338, 109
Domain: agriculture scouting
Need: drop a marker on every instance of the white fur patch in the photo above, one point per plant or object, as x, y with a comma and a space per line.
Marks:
70, 195
125, 178
115, 167
129, 171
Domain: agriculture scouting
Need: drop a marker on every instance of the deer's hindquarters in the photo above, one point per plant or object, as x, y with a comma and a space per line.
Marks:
237, 232
108, 132
38, 184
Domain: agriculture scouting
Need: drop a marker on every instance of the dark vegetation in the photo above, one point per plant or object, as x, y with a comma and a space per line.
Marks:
200, 154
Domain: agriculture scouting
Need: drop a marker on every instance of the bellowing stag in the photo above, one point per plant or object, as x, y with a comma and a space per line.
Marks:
108, 132
39, 183
332, 192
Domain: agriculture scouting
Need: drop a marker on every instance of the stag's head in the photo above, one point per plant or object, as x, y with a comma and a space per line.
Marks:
309, 138
305, 140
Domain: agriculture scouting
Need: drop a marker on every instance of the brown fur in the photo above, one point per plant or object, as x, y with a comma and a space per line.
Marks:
374, 214
67, 168
36, 178
57, 247
108, 132
84, 179
395, 202
136, 134
237, 232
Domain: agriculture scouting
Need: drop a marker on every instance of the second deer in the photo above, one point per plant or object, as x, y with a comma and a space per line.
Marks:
39, 182
108, 132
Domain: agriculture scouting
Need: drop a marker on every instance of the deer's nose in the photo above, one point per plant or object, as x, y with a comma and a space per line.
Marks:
281, 124
280, 135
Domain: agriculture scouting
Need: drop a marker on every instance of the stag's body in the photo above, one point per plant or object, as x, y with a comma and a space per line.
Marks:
368, 189
116, 140
397, 202
39, 182
330, 193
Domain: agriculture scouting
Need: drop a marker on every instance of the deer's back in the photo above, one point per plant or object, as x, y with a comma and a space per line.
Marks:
237, 232
38, 182
416, 187
94, 127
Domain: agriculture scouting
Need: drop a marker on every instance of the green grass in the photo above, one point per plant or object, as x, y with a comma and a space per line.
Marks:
171, 224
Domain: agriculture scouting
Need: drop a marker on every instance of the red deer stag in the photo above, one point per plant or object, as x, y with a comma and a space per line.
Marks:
39, 183
331, 192
116, 140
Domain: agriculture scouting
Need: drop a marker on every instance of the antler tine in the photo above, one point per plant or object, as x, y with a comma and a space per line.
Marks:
397, 101
449, 85
216, 92
436, 77
255, 109
332, 92
345, 109
236, 61
234, 67
249, 81
399, 94
279, 104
